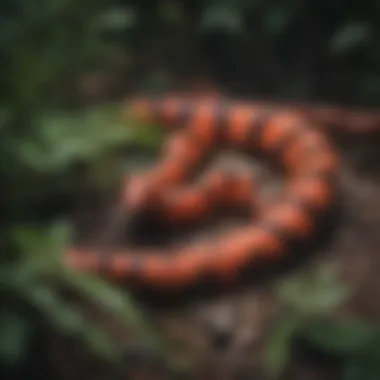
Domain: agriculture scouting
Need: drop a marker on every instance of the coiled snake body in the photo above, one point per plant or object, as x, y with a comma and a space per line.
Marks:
308, 159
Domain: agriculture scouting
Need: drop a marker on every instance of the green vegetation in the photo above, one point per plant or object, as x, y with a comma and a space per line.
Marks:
311, 301
324, 50
43, 137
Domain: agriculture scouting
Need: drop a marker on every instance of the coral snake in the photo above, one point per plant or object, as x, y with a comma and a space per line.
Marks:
196, 127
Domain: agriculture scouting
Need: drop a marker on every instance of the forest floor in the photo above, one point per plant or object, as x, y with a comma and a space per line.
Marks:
245, 316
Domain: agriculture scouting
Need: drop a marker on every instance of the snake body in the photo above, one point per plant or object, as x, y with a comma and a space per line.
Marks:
195, 129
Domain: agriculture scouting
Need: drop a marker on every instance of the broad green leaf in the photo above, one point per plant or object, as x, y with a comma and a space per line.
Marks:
279, 345
65, 139
341, 337
317, 292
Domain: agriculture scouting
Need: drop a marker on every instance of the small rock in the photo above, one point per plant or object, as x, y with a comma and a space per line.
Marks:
219, 320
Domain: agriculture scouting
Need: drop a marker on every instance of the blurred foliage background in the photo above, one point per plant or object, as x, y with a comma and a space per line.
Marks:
65, 65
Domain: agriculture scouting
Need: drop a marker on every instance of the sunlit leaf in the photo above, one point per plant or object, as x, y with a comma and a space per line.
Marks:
317, 292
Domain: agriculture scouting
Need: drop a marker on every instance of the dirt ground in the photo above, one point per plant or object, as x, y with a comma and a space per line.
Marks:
226, 331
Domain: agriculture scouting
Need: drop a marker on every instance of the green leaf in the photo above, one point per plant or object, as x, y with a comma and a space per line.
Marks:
120, 303
349, 37
341, 337
14, 336
43, 244
67, 319
100, 343
64, 139
279, 344
106, 296
28, 239
60, 236
317, 292
58, 312
33, 155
